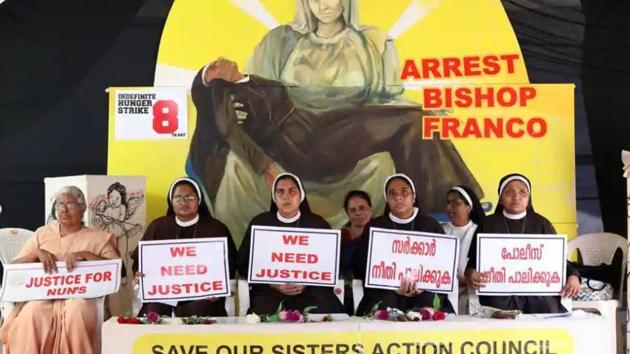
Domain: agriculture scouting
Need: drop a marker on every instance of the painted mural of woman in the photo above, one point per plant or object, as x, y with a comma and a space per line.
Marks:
322, 100
328, 60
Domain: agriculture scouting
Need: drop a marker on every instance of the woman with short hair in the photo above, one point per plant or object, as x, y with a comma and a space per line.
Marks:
65, 326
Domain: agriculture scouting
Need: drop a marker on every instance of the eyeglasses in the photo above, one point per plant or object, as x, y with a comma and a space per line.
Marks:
291, 192
70, 206
181, 199
403, 193
360, 208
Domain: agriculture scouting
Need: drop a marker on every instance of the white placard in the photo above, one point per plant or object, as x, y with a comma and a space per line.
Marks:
90, 279
294, 255
151, 113
429, 258
187, 269
514, 264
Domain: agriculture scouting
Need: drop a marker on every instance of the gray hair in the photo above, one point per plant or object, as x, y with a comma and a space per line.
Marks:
74, 191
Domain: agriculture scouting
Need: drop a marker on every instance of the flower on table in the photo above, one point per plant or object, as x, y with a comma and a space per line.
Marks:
426, 313
439, 315
150, 318
413, 316
252, 318
153, 317
291, 316
394, 314
381, 315
282, 315
128, 320
195, 320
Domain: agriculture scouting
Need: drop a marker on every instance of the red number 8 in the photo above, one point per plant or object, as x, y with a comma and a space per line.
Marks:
165, 117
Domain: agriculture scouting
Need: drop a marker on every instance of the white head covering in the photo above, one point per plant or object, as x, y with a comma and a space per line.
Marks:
187, 179
299, 183
515, 177
399, 175
461, 191
305, 22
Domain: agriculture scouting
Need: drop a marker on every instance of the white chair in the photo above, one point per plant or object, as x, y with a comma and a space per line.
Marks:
357, 293
243, 294
243, 297
230, 301
598, 248
340, 289
11, 242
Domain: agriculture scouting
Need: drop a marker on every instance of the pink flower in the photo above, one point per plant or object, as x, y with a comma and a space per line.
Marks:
426, 313
283, 315
439, 315
294, 316
153, 317
381, 315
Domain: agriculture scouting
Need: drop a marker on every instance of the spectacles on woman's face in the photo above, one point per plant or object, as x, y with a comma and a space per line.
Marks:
392, 193
69, 206
181, 199
360, 208
291, 192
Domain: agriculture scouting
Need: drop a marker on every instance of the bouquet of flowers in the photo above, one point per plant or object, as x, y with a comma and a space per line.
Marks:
423, 314
196, 320
149, 318
282, 315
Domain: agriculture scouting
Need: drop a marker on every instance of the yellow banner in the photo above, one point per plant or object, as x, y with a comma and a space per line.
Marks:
491, 341
350, 114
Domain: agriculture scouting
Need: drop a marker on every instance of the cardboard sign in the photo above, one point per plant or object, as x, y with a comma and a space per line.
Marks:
184, 269
152, 113
428, 258
90, 279
294, 255
512, 264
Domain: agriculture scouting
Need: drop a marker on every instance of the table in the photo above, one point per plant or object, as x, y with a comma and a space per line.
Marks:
586, 334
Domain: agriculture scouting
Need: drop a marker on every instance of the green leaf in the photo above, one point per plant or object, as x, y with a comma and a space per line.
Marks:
280, 306
308, 309
373, 310
437, 302
273, 318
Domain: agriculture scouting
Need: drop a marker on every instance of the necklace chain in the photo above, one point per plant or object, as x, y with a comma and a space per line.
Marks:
179, 228
413, 224
508, 227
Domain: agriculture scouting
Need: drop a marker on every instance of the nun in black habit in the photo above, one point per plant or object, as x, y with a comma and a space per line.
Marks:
401, 213
515, 215
187, 217
289, 208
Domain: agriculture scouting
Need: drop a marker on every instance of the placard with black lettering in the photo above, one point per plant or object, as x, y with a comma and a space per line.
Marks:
515, 264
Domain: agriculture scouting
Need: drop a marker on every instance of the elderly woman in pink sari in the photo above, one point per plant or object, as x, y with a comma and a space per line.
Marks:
59, 326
